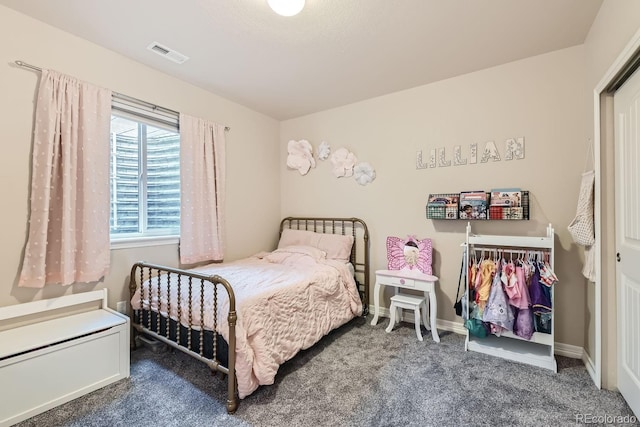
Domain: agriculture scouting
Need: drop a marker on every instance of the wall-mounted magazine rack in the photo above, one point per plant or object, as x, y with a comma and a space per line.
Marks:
506, 204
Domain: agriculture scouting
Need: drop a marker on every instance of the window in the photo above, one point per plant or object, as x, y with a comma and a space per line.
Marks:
145, 173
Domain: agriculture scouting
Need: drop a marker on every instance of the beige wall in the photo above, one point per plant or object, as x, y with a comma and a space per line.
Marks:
618, 21
252, 149
541, 99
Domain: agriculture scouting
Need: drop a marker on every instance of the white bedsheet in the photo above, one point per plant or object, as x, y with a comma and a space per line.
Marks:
286, 301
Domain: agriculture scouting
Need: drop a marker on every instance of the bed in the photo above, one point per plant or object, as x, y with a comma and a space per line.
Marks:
247, 317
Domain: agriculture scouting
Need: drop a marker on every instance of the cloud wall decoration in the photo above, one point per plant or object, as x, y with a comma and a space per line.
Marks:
300, 156
364, 173
343, 162
324, 150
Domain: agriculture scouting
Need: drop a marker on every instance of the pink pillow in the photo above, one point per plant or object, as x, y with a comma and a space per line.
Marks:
291, 237
289, 252
409, 254
337, 246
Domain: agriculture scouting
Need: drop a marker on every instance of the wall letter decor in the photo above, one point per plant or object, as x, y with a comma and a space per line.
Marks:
490, 152
514, 150
432, 158
419, 164
457, 156
442, 161
473, 154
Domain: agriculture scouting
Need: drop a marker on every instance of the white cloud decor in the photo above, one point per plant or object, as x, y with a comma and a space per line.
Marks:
300, 156
364, 173
324, 150
343, 162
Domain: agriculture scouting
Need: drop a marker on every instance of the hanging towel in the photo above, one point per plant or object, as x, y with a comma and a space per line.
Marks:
582, 227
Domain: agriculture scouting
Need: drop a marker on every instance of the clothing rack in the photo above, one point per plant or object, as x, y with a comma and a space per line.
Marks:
510, 253
117, 95
540, 350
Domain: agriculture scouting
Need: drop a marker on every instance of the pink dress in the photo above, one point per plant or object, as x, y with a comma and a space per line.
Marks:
509, 280
519, 293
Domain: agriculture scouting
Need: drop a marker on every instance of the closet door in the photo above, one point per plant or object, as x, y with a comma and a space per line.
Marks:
627, 137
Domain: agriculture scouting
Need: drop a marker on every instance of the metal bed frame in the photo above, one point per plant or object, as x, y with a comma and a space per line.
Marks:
191, 340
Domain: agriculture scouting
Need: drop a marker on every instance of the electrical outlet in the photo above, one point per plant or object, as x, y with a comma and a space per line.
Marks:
121, 307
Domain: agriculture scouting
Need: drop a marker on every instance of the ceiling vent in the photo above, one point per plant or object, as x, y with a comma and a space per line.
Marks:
168, 53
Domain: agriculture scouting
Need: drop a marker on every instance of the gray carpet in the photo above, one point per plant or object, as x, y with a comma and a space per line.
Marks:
356, 376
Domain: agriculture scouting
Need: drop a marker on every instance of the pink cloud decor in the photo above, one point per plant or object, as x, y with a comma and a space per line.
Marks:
343, 162
300, 156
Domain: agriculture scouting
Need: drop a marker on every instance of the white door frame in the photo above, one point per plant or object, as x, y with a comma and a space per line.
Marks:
618, 65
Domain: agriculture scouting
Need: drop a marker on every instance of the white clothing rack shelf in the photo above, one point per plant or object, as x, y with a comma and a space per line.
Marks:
540, 350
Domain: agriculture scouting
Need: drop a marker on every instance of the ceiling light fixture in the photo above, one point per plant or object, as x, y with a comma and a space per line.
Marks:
286, 7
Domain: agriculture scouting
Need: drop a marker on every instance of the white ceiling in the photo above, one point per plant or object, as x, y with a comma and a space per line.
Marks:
333, 53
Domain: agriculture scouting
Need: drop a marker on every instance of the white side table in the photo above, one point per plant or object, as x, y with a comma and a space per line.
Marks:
408, 279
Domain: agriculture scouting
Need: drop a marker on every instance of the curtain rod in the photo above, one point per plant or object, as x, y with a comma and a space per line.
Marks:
33, 67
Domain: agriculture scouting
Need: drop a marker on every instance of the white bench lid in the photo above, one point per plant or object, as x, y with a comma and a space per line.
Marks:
41, 334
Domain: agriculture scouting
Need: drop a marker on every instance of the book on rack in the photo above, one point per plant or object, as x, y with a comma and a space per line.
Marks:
508, 197
443, 206
449, 199
473, 205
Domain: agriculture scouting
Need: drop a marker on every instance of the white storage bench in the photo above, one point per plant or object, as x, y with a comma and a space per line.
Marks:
55, 350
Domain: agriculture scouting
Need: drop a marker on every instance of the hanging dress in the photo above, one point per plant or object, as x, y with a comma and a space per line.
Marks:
540, 303
487, 271
524, 326
519, 293
510, 281
498, 311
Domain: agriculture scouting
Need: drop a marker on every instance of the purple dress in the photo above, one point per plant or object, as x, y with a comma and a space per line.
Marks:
524, 323
540, 297
498, 311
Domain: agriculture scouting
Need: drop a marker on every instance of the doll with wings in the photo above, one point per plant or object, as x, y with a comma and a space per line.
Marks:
409, 254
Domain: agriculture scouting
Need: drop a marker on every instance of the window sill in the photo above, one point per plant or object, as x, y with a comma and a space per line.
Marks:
139, 242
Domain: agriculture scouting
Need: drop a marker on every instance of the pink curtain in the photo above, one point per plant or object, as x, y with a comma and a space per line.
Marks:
202, 183
69, 222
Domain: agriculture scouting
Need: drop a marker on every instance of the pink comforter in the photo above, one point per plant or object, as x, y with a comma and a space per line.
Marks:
286, 301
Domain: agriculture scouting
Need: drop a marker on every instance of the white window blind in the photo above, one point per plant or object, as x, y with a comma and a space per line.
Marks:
145, 170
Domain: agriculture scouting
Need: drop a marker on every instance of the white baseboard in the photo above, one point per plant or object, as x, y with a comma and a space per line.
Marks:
561, 349
568, 350
447, 325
